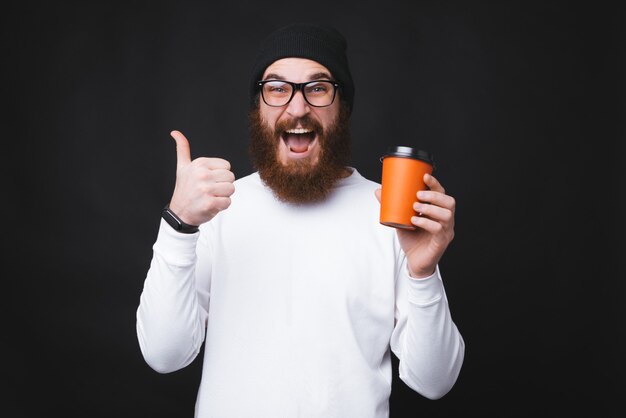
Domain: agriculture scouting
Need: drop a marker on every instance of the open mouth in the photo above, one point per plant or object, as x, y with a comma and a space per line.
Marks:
299, 140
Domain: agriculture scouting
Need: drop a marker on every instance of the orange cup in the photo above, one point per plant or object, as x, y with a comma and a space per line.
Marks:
403, 177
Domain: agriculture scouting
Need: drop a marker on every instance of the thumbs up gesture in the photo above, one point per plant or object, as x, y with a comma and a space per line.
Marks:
203, 186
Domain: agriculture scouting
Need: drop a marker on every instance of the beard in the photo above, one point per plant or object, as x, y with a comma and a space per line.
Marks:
301, 181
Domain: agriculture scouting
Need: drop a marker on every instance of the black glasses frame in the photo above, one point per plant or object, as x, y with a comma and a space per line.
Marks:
300, 87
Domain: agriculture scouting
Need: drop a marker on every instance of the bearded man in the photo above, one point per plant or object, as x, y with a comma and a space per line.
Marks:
299, 295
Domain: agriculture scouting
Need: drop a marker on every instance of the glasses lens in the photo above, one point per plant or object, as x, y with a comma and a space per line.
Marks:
277, 93
319, 93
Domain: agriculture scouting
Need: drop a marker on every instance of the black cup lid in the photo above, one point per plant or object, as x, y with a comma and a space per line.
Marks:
409, 152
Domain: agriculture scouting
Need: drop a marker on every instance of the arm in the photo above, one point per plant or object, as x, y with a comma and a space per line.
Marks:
173, 308
427, 342
425, 339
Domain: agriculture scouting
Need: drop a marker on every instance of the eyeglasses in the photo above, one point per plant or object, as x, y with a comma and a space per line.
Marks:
318, 93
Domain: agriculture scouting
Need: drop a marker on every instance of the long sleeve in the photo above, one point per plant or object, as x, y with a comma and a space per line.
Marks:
425, 339
172, 313
296, 307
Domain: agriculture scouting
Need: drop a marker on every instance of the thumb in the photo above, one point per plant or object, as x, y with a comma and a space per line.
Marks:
183, 153
377, 192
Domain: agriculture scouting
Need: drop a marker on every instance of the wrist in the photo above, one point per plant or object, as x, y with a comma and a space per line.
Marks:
176, 222
421, 273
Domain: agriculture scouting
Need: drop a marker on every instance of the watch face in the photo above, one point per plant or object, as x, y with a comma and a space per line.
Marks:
171, 219
176, 223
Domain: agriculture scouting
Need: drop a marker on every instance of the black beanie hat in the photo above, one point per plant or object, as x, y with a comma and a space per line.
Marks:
318, 42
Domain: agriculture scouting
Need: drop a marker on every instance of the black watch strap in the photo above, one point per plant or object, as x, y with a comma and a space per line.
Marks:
177, 223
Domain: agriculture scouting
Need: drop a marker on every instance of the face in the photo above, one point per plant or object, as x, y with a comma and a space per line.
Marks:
300, 150
298, 139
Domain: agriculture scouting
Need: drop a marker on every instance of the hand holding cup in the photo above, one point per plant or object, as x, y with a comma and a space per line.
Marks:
415, 203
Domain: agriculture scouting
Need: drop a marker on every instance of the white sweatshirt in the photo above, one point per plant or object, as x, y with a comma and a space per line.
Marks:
298, 306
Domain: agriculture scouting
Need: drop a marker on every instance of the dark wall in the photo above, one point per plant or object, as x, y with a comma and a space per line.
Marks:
522, 104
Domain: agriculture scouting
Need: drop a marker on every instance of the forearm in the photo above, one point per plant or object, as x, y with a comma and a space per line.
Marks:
430, 347
170, 322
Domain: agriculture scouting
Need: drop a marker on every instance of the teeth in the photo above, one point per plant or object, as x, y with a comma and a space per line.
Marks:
299, 131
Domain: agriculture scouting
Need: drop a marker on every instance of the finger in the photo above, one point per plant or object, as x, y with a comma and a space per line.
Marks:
433, 212
213, 163
221, 203
221, 189
436, 198
221, 175
433, 183
183, 153
377, 193
428, 225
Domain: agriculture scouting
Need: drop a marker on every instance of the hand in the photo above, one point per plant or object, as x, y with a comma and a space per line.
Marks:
425, 246
203, 186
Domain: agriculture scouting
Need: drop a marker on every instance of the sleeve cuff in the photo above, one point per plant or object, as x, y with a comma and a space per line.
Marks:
425, 291
174, 247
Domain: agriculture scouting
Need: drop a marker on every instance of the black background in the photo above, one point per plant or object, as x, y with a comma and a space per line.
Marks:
522, 104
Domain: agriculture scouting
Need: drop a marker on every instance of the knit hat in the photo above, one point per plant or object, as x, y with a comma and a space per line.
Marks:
318, 42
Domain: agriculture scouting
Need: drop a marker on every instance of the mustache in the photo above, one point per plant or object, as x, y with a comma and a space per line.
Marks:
304, 122
300, 182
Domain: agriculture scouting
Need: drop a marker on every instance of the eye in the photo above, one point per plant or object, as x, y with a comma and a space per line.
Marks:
320, 87
277, 87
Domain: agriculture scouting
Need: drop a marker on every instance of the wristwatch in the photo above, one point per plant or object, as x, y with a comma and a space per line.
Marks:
177, 223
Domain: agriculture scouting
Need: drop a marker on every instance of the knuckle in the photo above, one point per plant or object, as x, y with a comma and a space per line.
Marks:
202, 175
208, 189
213, 205
227, 175
220, 163
224, 203
197, 163
212, 174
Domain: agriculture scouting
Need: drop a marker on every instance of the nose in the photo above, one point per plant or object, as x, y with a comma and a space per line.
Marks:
298, 107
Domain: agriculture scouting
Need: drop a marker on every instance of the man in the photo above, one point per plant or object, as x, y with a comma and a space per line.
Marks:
297, 291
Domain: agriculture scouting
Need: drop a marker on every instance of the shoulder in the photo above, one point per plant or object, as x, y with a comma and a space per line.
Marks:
248, 180
250, 184
357, 183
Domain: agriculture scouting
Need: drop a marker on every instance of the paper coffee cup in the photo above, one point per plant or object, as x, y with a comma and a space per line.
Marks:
402, 177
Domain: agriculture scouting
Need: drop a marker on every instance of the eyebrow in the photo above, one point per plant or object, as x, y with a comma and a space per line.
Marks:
316, 76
